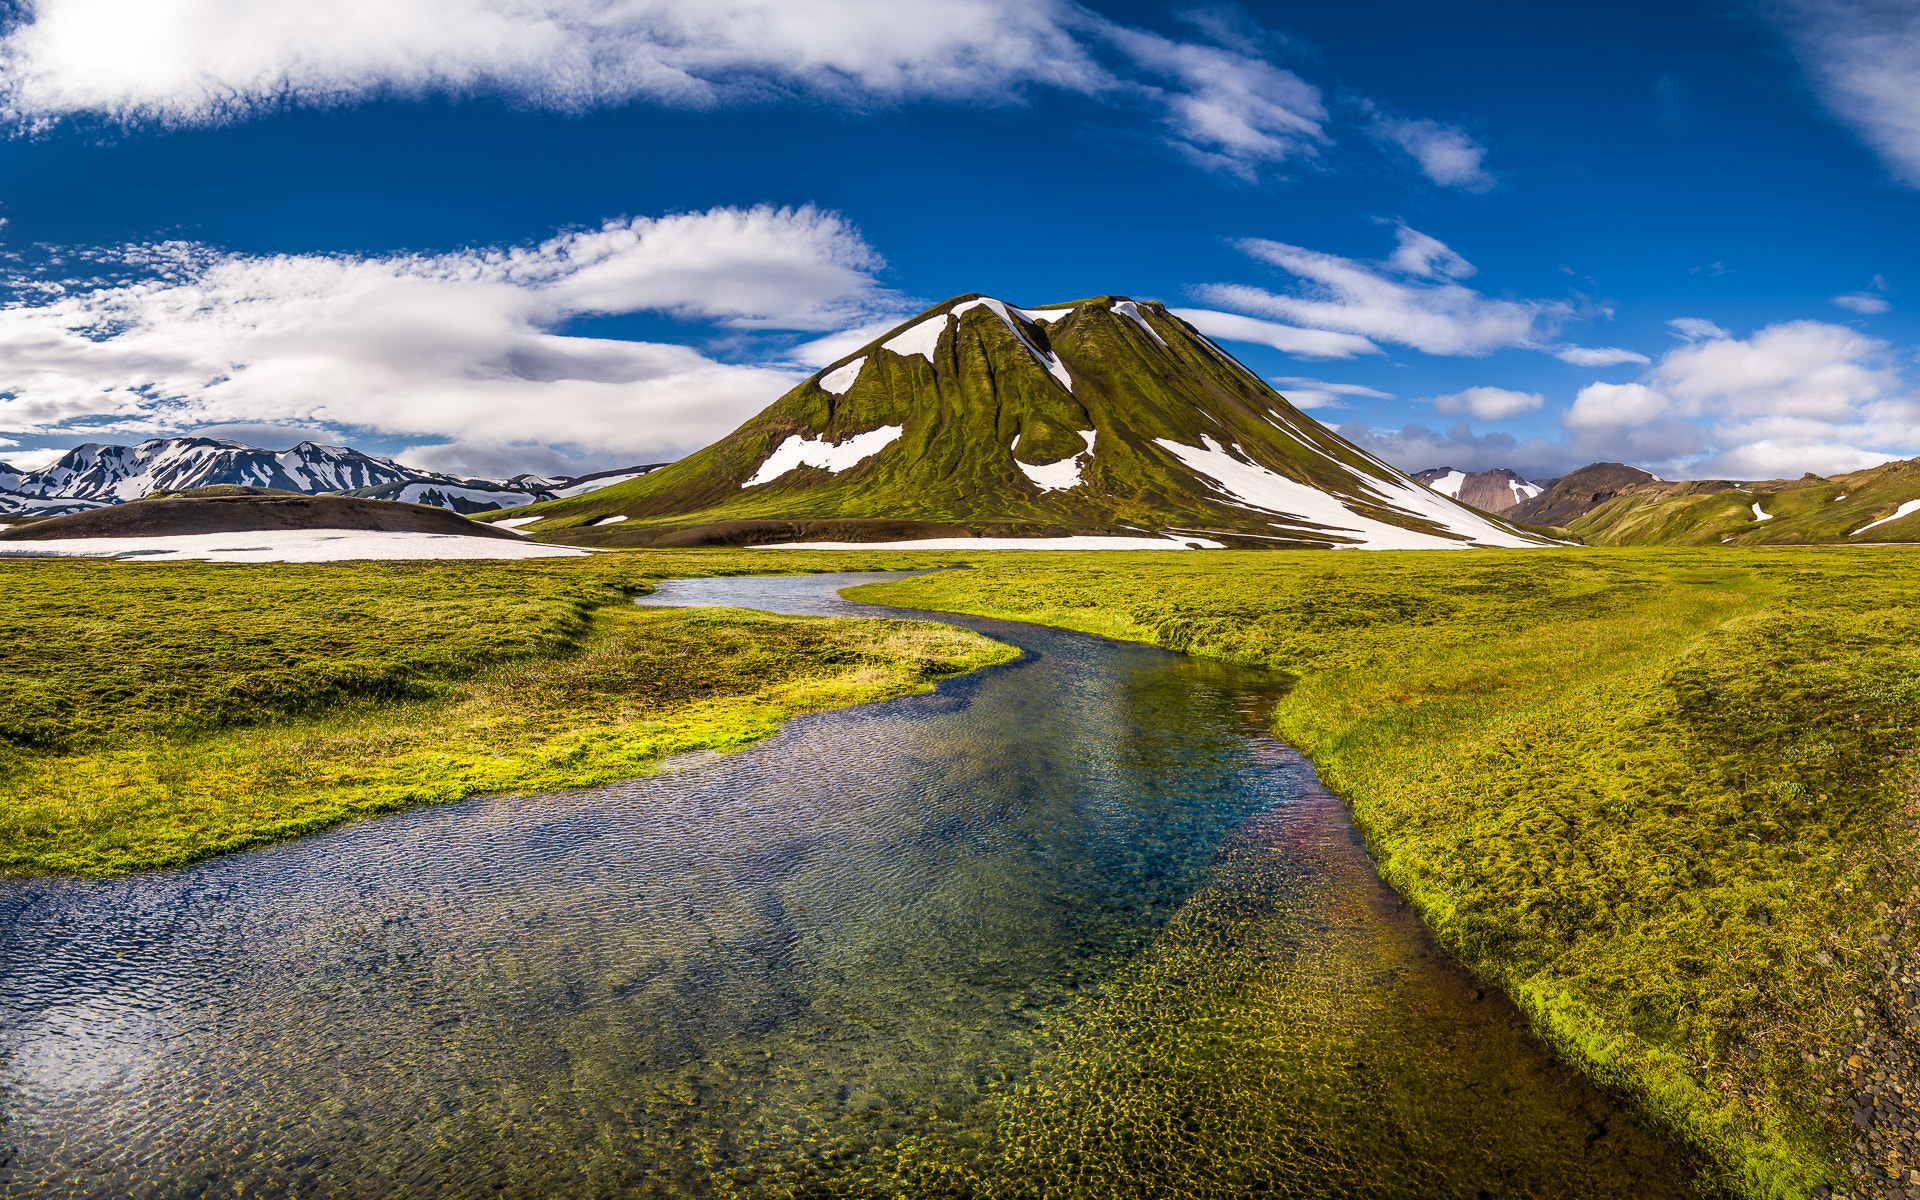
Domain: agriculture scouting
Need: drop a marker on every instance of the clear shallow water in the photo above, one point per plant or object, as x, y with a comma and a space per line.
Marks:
1072, 924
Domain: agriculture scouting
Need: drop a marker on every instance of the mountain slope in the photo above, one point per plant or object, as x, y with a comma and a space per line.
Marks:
1497, 491
1104, 416
94, 475
1879, 504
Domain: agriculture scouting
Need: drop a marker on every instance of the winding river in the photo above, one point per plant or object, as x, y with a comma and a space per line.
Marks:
1071, 926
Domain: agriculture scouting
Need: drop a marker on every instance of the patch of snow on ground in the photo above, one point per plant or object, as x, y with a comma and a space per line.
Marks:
288, 545
594, 485
839, 380
1044, 314
1838, 499
1084, 542
418, 493
1760, 514
1255, 487
1128, 308
1523, 492
1449, 484
1050, 361
797, 451
919, 339
514, 523
1903, 510
609, 521
1062, 476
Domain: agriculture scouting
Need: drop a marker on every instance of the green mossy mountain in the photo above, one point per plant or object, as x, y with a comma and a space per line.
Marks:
974, 418
1852, 509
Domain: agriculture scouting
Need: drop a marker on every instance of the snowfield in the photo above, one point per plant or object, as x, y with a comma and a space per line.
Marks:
1903, 510
287, 545
838, 381
1255, 487
797, 451
1061, 476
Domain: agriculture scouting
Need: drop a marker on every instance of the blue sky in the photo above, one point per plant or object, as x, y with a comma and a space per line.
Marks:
496, 235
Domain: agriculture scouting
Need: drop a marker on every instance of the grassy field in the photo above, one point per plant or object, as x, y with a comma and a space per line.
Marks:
155, 715
1662, 797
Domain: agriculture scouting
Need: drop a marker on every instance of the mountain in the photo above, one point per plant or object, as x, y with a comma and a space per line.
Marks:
1495, 491
1104, 416
93, 475
229, 509
1879, 504
1579, 492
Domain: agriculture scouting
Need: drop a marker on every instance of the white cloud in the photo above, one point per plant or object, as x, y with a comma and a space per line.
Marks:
1301, 343
209, 61
1416, 448
1865, 303
1488, 403
1794, 397
1693, 329
1447, 154
1412, 299
1227, 110
1604, 356
825, 351
455, 346
1302, 392
1864, 59
35, 460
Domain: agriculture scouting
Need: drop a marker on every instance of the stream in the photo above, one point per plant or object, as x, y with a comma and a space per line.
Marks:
1075, 925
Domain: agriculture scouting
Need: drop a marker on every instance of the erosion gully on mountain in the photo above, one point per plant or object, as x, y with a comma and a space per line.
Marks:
1075, 925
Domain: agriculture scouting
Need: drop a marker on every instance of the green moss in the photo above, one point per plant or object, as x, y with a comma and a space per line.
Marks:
1659, 796
155, 715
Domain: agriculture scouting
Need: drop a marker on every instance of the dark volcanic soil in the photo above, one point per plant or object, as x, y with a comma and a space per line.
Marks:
247, 510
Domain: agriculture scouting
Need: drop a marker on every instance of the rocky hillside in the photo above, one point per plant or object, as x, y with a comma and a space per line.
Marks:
1496, 491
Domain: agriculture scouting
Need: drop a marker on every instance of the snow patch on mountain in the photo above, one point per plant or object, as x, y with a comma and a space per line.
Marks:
1909, 507
1130, 310
797, 451
1045, 314
1048, 360
1449, 484
1254, 486
920, 338
1061, 476
840, 379
1760, 514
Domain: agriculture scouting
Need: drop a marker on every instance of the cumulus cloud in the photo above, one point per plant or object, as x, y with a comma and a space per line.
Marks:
1413, 299
1488, 403
1598, 356
1863, 57
1302, 392
454, 348
1446, 154
1793, 397
1301, 343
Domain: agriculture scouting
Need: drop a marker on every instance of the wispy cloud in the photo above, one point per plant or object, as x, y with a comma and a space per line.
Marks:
1413, 299
1446, 154
1693, 329
458, 347
1863, 57
1301, 343
1598, 356
1868, 303
1302, 392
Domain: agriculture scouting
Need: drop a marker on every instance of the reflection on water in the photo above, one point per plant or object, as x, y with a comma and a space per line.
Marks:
1074, 925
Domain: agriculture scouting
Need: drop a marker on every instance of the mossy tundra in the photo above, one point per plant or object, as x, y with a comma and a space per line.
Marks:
1662, 797
155, 715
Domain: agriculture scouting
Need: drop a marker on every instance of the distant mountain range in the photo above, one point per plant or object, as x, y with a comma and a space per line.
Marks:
1105, 416
1499, 491
94, 475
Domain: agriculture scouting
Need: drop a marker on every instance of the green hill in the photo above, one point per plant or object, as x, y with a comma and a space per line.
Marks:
1105, 416
1880, 504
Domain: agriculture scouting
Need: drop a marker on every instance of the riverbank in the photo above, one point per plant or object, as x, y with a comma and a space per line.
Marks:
152, 716
1660, 797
